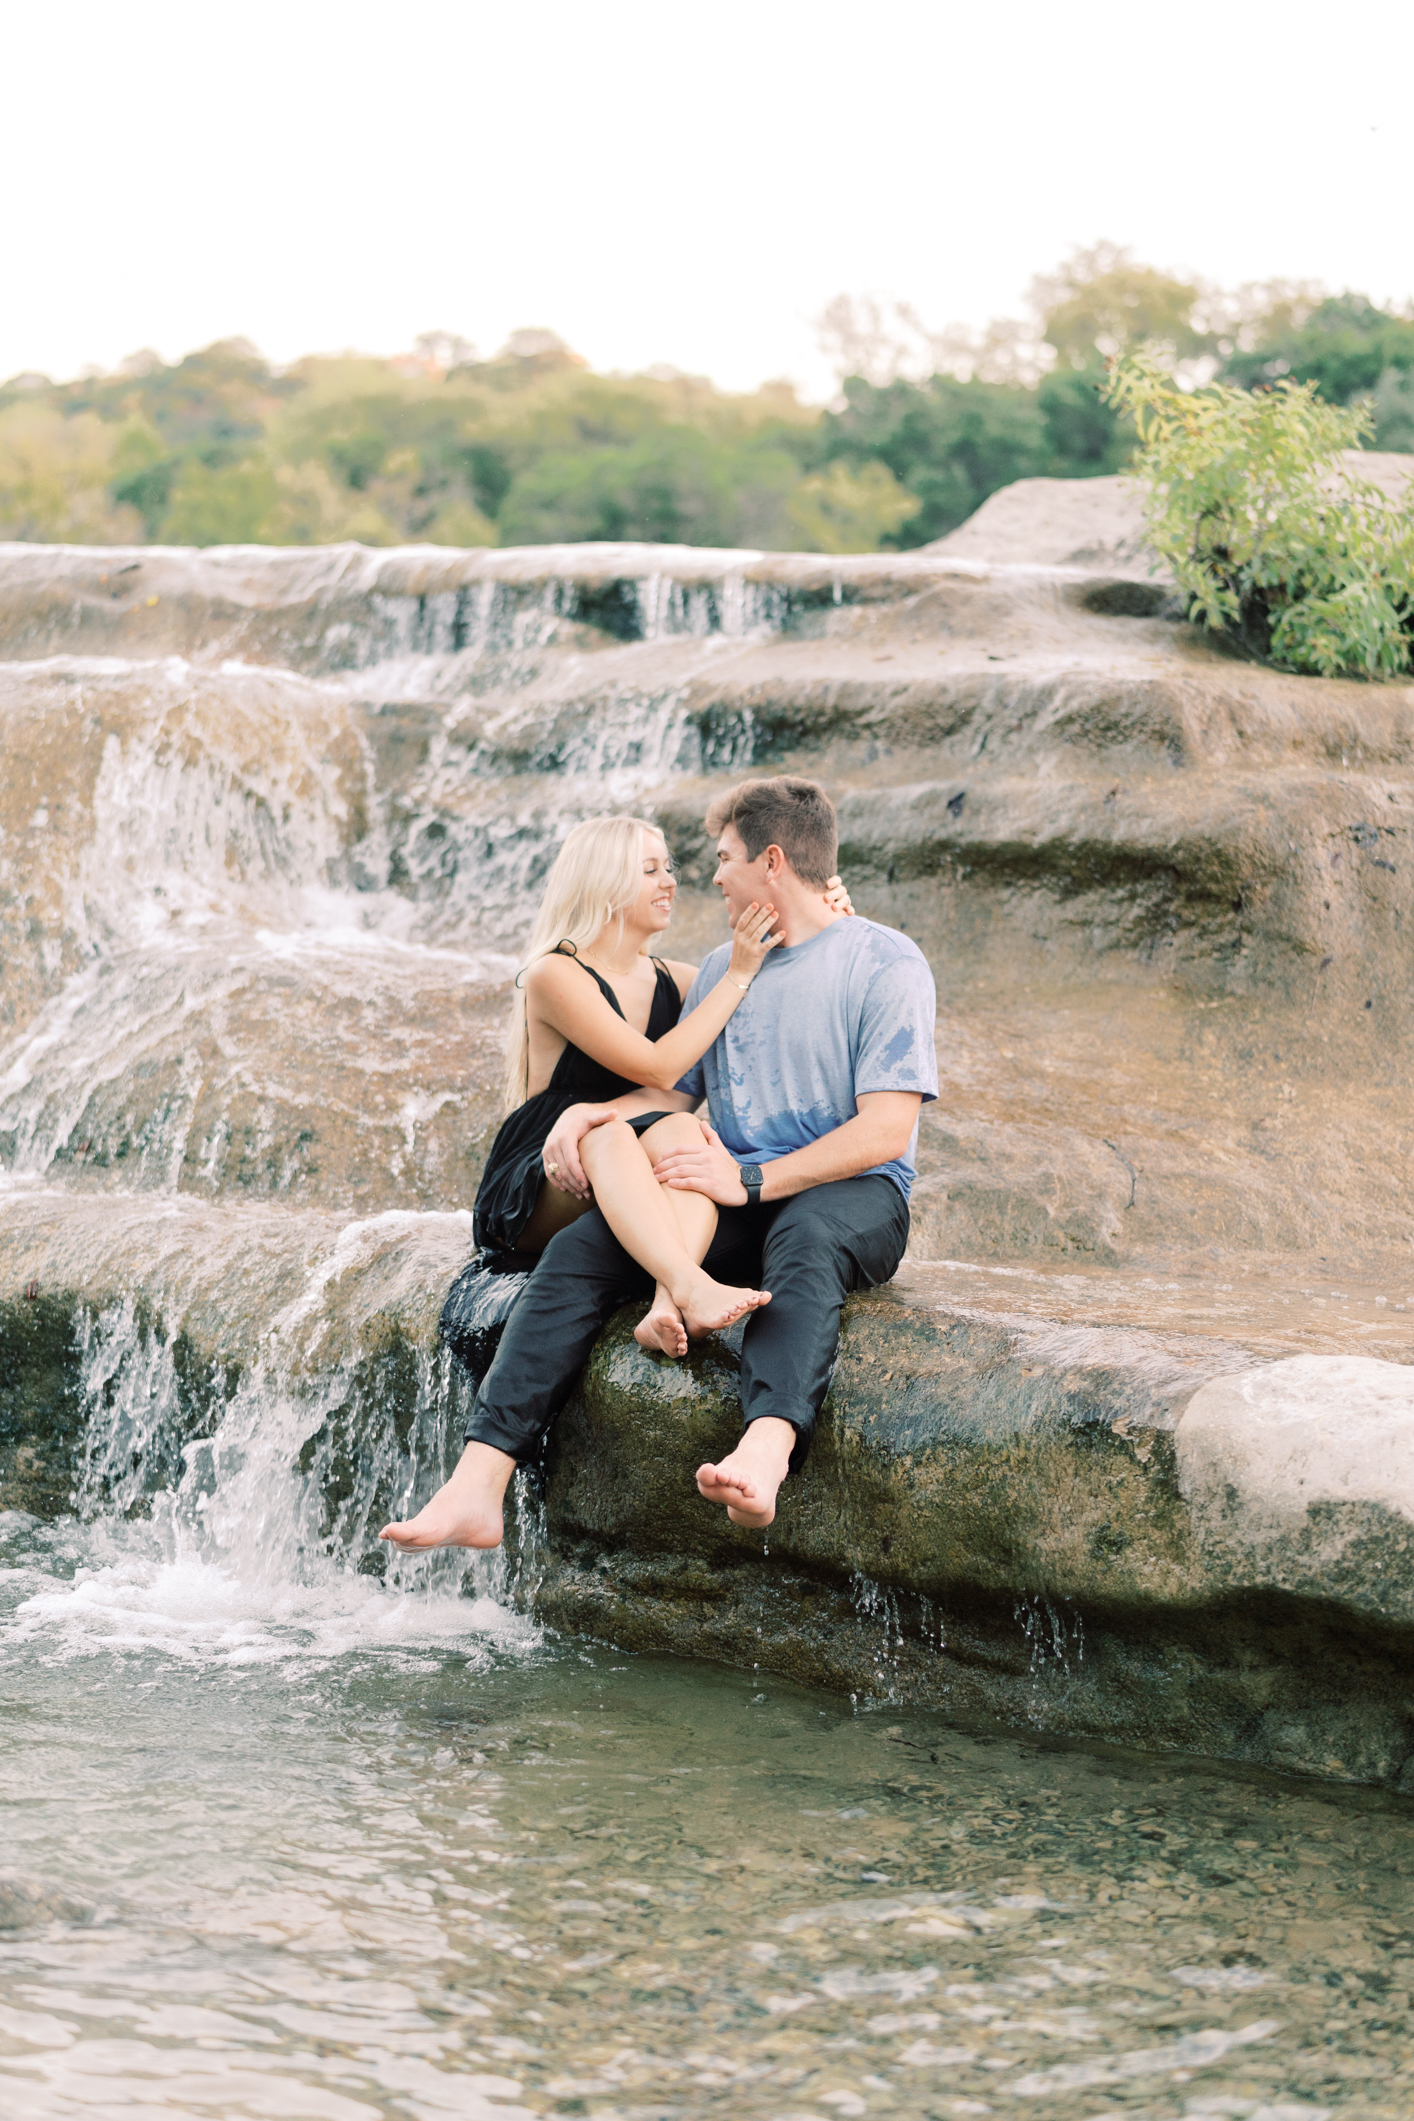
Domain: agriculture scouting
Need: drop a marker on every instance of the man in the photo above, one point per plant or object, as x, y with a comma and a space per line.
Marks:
813, 1093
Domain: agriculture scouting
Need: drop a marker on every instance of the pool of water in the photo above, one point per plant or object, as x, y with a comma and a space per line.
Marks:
341, 1851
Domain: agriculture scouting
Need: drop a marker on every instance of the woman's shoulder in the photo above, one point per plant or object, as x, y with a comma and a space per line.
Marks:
557, 974
552, 966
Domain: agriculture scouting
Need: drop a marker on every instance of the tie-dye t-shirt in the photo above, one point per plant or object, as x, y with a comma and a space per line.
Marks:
825, 1022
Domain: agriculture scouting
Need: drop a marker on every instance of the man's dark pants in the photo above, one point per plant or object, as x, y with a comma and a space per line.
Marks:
810, 1251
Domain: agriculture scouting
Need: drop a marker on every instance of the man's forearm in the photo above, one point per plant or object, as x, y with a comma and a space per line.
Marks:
859, 1145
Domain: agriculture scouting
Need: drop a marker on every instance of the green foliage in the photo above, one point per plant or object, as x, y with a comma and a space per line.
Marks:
1083, 436
1351, 351
224, 504
952, 443
671, 486
532, 447
840, 510
1102, 302
1343, 346
1272, 537
55, 475
1392, 406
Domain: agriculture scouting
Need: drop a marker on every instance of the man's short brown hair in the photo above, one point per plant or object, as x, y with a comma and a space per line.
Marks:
796, 816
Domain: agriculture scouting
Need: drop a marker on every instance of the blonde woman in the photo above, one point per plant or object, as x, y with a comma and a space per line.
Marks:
595, 1020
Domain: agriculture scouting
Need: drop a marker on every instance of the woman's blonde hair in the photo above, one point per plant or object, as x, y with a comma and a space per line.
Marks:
596, 878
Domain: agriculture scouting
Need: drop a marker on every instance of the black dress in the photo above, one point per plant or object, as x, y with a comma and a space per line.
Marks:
510, 1184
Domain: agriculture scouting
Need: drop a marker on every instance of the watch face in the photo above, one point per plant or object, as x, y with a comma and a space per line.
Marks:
750, 1174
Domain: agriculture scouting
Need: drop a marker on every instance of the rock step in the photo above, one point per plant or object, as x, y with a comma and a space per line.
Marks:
1000, 1514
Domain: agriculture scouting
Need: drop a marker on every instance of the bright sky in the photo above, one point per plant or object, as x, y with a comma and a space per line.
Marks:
666, 182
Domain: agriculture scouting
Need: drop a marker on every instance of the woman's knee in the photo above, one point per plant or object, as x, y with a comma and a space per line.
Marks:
611, 1139
677, 1130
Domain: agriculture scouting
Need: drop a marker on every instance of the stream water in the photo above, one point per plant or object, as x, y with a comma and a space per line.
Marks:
314, 1847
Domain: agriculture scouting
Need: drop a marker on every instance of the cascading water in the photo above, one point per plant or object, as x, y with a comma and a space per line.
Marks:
266, 907
236, 852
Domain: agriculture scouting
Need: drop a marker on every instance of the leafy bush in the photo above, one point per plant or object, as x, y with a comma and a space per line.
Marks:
1268, 530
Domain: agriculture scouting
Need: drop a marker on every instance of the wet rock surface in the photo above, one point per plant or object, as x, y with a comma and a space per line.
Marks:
267, 845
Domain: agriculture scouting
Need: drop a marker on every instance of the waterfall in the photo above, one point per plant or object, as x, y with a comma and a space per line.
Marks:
272, 831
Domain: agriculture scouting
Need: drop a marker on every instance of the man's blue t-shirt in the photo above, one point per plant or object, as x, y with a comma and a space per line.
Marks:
825, 1022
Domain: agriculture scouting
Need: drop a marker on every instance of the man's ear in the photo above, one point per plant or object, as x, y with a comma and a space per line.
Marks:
776, 864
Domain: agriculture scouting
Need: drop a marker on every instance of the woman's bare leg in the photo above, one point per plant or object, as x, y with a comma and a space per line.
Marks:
646, 1224
661, 1328
554, 1211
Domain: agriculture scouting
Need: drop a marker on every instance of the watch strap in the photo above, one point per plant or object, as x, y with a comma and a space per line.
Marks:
752, 1178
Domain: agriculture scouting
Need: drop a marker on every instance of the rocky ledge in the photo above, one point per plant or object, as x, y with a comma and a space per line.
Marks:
1141, 1472
1175, 1515
1190, 1526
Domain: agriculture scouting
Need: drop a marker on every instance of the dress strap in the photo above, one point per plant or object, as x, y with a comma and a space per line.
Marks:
667, 1002
603, 985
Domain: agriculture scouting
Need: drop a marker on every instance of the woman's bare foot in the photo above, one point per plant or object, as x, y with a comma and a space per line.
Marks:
661, 1329
466, 1510
706, 1305
747, 1480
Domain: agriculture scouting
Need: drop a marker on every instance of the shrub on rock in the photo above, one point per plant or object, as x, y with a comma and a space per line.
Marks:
1267, 529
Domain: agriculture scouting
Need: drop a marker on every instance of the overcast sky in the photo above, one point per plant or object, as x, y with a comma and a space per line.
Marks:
664, 182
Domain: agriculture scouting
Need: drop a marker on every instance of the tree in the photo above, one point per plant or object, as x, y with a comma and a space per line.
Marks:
1343, 345
1100, 303
840, 510
54, 478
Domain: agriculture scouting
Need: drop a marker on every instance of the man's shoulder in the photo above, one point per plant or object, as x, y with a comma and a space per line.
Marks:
879, 946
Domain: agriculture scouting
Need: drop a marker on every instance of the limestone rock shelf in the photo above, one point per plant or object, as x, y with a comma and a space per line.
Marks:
1010, 1510
269, 832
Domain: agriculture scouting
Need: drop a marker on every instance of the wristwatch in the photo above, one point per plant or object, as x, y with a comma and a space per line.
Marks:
751, 1178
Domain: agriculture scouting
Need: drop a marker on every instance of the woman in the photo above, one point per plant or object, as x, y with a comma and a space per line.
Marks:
595, 1019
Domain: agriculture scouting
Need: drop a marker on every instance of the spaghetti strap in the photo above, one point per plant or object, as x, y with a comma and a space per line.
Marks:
603, 985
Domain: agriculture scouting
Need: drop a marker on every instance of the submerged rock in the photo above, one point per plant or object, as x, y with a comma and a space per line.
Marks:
27, 1903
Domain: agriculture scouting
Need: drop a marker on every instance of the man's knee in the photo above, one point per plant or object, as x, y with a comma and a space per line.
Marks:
679, 1130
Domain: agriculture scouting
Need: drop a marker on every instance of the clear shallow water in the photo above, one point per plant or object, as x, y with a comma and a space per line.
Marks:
336, 1852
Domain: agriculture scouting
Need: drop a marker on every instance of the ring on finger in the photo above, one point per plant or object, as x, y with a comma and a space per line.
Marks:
552, 1167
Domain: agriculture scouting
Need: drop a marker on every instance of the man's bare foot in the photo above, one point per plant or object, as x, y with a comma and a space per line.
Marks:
706, 1306
465, 1511
746, 1482
661, 1329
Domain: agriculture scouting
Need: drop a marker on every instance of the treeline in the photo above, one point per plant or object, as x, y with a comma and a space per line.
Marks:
531, 447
